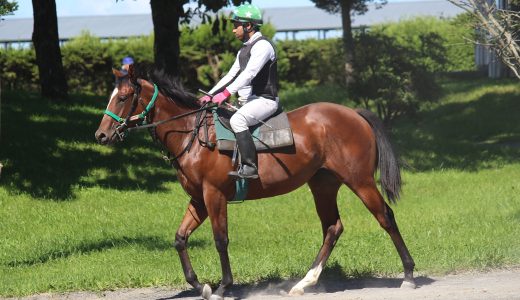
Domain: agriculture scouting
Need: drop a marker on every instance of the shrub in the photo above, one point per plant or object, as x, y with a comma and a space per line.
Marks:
310, 62
18, 69
393, 78
455, 33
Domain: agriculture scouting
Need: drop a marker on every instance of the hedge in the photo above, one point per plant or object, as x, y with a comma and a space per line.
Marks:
208, 51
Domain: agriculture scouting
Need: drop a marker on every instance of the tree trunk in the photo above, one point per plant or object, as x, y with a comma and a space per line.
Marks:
166, 15
47, 47
348, 41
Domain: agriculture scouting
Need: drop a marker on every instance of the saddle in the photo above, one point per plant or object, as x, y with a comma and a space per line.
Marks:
275, 133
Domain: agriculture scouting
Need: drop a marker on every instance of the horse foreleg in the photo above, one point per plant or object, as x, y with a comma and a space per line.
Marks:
324, 187
217, 210
195, 214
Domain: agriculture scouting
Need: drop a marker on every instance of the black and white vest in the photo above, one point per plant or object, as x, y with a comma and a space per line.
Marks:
265, 83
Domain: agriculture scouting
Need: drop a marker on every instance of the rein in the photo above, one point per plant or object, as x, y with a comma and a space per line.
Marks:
123, 128
155, 124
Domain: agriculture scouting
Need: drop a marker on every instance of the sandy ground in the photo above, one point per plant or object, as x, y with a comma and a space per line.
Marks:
497, 284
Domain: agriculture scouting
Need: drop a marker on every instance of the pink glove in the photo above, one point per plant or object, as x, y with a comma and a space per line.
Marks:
204, 99
221, 97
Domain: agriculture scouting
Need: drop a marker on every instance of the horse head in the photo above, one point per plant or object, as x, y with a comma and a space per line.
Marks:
123, 110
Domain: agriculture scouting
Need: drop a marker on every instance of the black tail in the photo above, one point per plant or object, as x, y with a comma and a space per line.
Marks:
390, 174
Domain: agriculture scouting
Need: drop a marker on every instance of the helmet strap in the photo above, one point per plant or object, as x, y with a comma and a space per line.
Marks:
246, 36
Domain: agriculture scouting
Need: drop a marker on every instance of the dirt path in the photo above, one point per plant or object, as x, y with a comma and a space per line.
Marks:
498, 284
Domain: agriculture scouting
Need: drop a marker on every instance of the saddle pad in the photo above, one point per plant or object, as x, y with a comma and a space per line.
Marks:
277, 135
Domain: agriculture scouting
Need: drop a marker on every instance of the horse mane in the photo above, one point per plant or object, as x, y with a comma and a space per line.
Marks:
170, 86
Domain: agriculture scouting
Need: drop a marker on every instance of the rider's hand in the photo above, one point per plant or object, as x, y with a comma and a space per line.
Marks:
221, 97
204, 99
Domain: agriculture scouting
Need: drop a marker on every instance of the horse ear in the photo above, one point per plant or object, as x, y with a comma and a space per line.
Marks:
131, 74
117, 73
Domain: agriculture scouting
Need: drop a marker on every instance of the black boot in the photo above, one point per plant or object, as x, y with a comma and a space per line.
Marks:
248, 158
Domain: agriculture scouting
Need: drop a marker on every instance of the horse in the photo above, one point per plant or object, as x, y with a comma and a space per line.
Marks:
333, 145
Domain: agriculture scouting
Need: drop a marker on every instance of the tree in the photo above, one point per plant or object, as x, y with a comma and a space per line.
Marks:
48, 53
347, 8
500, 29
167, 15
7, 7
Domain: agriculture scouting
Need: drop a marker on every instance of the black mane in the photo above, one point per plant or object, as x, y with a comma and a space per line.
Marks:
170, 86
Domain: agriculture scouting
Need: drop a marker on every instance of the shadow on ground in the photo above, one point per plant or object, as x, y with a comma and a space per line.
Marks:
332, 280
464, 136
48, 148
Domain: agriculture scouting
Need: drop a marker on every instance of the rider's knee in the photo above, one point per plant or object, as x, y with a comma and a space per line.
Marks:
238, 122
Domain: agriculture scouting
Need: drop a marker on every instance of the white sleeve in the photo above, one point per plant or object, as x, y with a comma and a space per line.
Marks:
235, 68
261, 53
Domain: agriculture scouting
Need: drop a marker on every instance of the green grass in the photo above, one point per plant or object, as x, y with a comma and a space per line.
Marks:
78, 216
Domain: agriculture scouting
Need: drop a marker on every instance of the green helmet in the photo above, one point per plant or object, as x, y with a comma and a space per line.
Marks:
247, 13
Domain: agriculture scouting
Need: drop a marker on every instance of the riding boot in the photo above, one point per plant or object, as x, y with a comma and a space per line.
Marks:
248, 158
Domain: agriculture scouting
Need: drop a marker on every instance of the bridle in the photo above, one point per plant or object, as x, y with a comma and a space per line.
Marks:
122, 129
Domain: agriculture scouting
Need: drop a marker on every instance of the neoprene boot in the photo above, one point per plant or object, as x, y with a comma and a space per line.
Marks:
248, 158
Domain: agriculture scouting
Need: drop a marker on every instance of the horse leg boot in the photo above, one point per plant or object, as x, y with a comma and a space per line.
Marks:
247, 149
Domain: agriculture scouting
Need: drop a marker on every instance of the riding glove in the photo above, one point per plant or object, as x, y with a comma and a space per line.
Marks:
205, 99
221, 97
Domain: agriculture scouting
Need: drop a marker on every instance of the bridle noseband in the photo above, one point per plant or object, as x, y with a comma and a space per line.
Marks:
121, 130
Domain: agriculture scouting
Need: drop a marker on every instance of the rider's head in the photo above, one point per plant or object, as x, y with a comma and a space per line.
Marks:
247, 19
126, 62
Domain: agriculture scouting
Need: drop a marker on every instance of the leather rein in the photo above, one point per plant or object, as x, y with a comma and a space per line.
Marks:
122, 129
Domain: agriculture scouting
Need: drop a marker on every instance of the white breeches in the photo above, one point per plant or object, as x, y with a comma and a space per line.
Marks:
255, 110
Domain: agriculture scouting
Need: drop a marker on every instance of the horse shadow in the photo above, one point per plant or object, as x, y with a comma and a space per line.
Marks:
333, 280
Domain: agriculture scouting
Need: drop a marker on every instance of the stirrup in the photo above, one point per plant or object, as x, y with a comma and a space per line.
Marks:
245, 171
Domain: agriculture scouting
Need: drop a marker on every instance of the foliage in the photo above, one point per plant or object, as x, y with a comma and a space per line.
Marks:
499, 29
359, 6
7, 7
456, 35
310, 62
18, 69
393, 78
210, 49
84, 59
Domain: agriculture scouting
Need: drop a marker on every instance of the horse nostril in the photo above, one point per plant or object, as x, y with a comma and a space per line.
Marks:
101, 137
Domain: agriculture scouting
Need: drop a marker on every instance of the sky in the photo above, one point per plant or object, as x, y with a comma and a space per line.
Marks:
111, 7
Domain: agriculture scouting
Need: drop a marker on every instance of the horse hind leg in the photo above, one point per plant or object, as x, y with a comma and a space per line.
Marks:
375, 203
324, 186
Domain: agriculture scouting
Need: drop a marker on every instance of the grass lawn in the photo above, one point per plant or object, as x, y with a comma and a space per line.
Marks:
78, 216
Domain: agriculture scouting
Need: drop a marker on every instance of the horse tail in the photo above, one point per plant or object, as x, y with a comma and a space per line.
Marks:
390, 173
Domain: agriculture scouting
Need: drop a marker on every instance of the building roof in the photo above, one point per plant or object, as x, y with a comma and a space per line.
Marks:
287, 19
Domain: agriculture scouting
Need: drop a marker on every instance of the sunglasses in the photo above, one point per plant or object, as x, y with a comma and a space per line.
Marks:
237, 24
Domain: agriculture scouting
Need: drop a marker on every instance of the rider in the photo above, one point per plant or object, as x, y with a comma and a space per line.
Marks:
254, 77
126, 62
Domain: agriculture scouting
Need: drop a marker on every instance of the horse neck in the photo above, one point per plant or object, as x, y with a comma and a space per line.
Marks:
175, 134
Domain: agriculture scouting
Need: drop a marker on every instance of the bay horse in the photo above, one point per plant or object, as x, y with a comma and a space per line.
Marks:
333, 145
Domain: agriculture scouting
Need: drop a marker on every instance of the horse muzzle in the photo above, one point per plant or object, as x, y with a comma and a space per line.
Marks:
102, 137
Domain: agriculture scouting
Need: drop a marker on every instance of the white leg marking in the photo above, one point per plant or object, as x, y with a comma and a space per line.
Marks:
310, 279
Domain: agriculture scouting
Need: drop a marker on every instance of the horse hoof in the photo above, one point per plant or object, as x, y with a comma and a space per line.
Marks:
206, 292
296, 291
408, 285
216, 297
